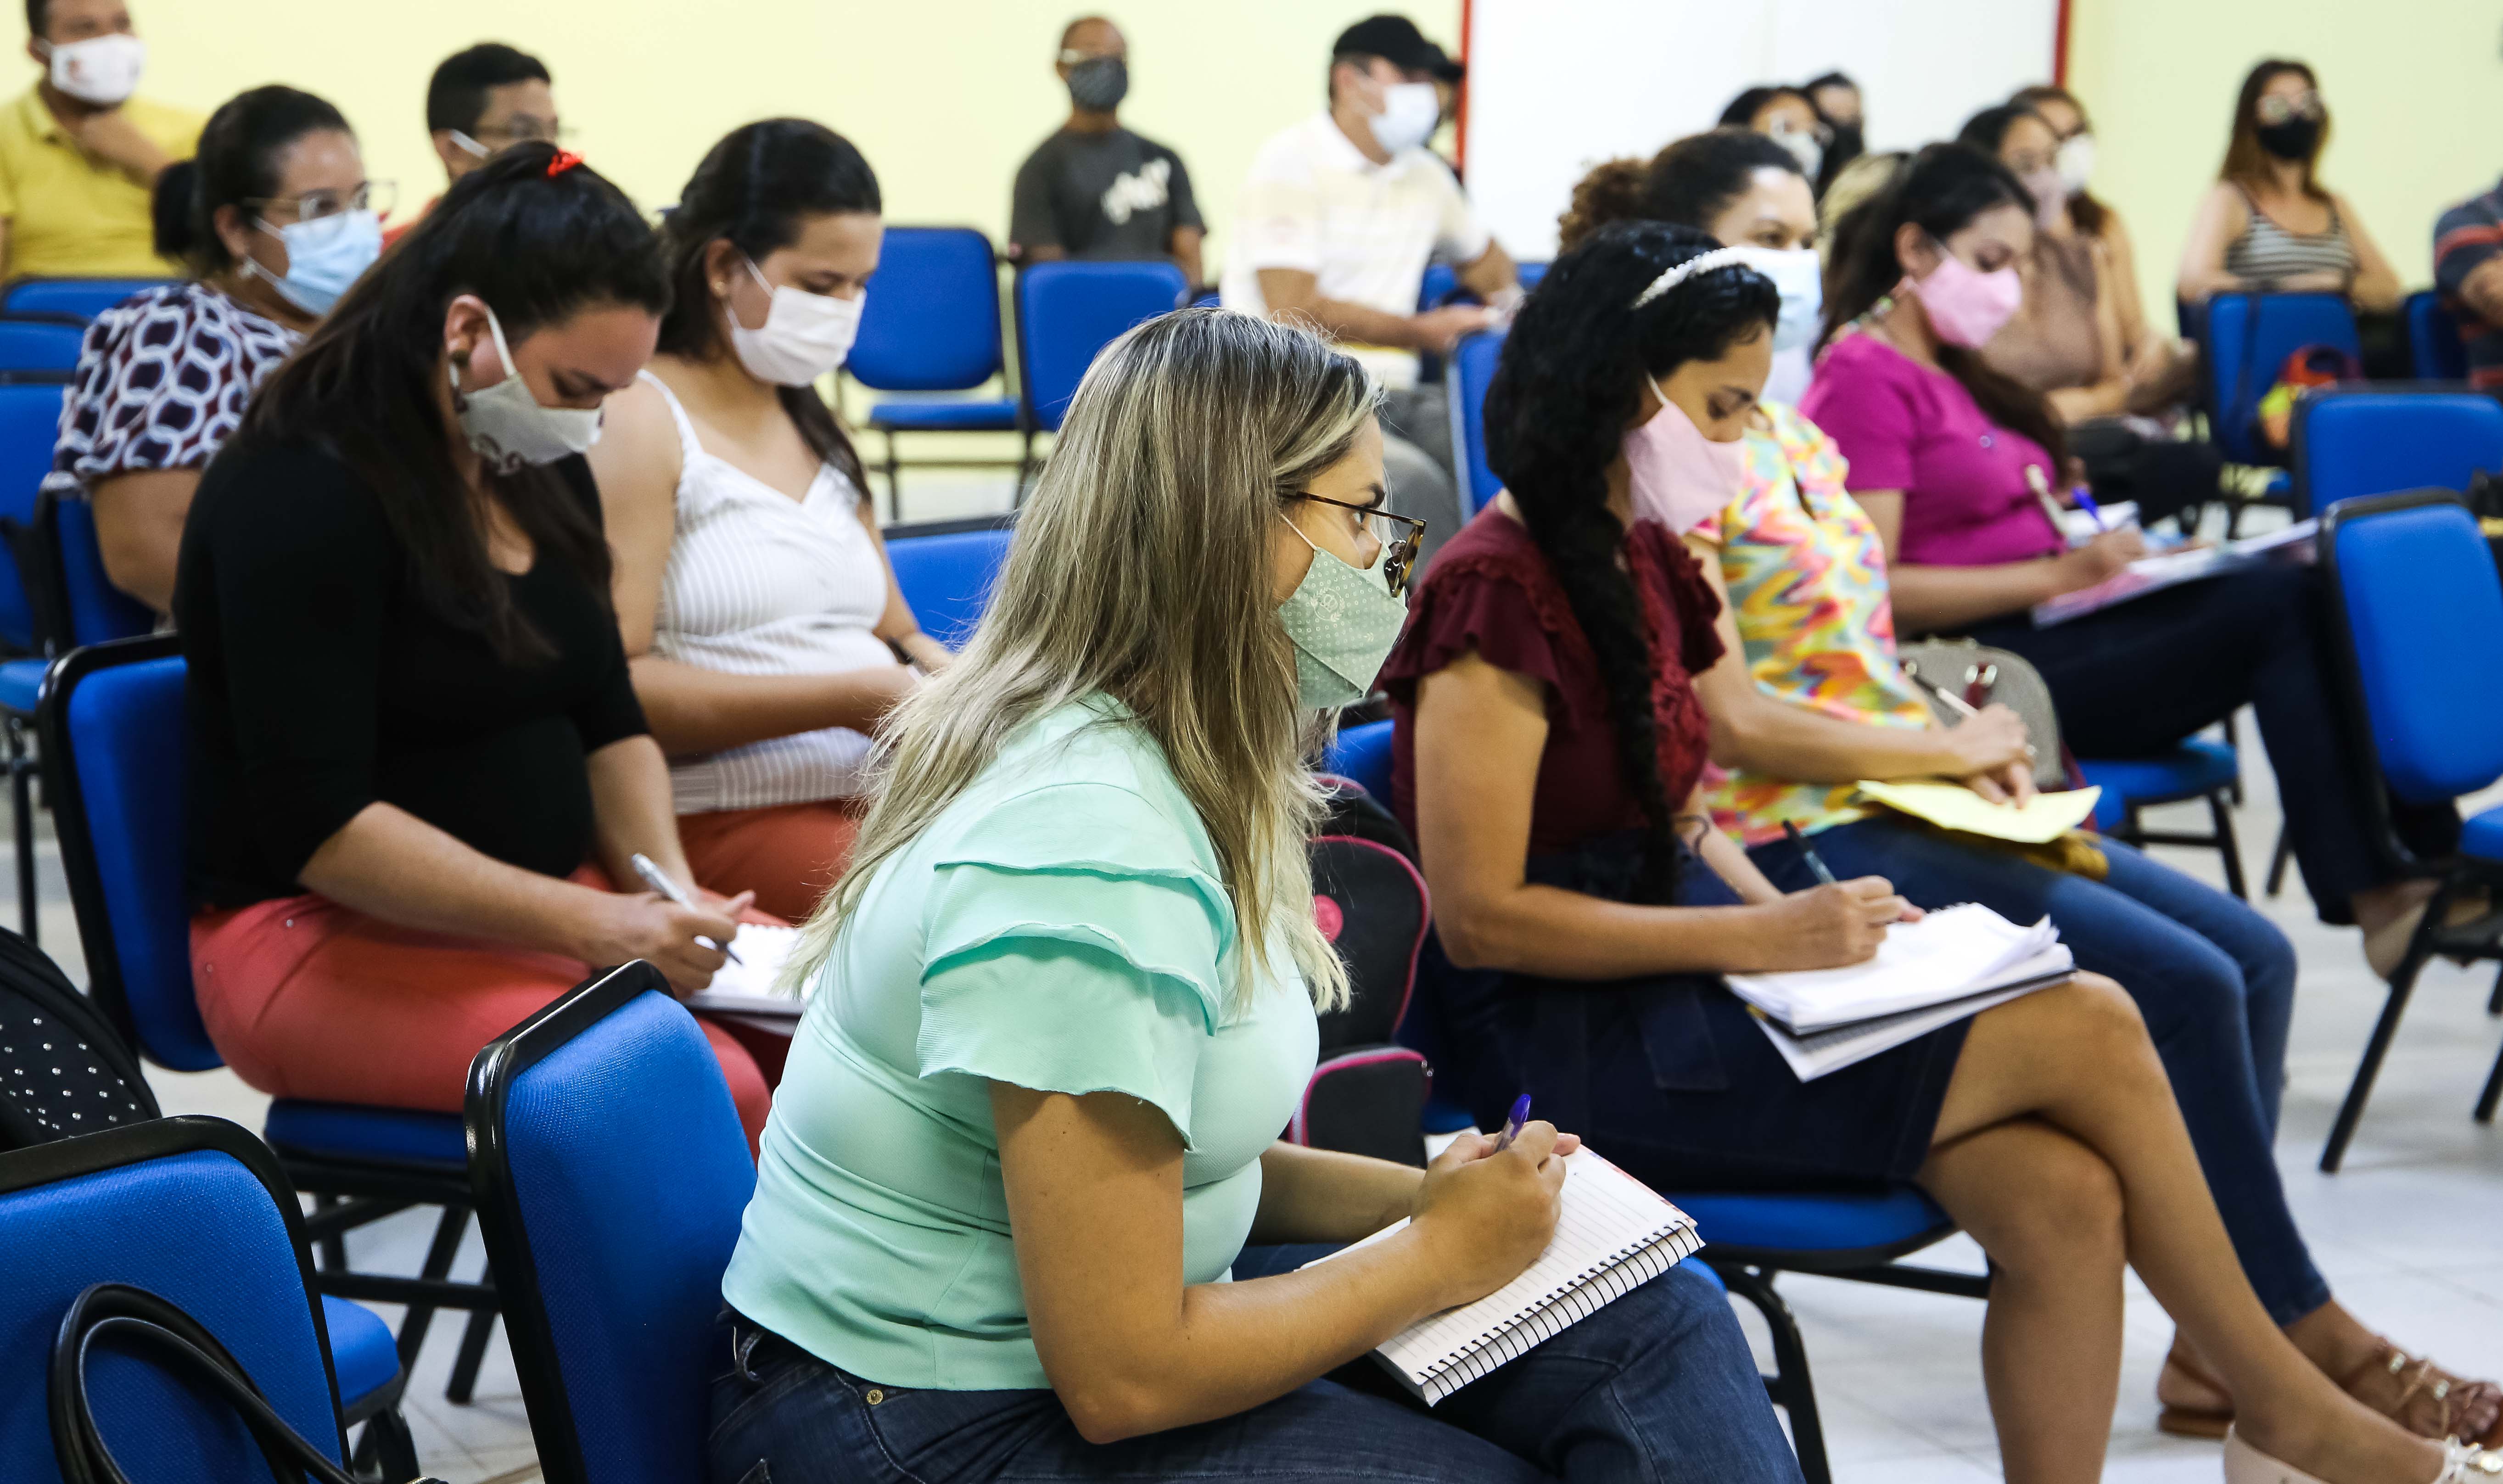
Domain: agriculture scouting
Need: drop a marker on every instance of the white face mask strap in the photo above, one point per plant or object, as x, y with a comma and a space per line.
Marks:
1718, 258
471, 145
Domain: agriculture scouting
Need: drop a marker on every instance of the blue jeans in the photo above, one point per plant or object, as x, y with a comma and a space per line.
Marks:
2213, 980
1656, 1385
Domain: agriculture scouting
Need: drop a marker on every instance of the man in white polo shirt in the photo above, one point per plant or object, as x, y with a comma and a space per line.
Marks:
1340, 215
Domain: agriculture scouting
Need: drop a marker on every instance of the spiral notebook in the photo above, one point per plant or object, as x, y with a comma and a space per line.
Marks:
1614, 1234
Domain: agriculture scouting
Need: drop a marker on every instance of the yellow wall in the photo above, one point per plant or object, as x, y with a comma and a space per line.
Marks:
945, 96
2411, 87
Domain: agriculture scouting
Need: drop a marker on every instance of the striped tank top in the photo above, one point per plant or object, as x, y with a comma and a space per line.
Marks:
2267, 253
759, 584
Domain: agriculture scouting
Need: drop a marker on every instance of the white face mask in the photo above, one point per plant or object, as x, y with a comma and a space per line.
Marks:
1800, 277
2077, 162
1410, 111
1805, 147
509, 428
103, 69
804, 335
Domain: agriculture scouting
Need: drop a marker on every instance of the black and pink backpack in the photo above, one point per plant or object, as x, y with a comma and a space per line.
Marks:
1367, 1094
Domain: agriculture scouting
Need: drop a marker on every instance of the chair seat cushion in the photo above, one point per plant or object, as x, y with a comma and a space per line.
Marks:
999, 416
346, 1131
20, 682
2196, 767
361, 1347
2482, 834
1817, 1222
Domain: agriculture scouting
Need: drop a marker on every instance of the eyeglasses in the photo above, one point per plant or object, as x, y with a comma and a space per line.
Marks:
2278, 107
376, 196
1399, 536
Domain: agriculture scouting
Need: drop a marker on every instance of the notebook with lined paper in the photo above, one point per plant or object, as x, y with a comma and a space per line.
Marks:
1612, 1236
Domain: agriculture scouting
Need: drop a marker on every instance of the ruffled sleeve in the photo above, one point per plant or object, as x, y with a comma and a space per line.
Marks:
1483, 602
1692, 605
1073, 942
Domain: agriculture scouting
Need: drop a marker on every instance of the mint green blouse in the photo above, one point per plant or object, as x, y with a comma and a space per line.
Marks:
1060, 926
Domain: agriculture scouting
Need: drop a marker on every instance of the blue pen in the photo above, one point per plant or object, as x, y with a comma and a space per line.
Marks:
1512, 1124
2086, 502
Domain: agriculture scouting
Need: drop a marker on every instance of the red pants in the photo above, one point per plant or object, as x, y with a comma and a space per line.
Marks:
307, 998
788, 854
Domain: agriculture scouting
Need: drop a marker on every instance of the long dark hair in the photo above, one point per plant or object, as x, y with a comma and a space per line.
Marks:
237, 163
2246, 164
1743, 109
1690, 183
756, 189
2085, 208
539, 248
1940, 191
1556, 415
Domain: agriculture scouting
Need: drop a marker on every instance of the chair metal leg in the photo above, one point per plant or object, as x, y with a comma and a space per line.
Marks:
1789, 1386
2403, 983
2493, 1093
21, 797
894, 481
2222, 813
472, 1353
438, 1265
2285, 857
2234, 742
2495, 1001
386, 1452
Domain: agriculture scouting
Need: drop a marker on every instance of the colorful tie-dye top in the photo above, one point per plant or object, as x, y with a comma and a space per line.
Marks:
1807, 587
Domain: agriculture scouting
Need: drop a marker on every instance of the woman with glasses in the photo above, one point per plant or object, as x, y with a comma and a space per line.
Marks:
767, 637
275, 219
1064, 1001
2268, 225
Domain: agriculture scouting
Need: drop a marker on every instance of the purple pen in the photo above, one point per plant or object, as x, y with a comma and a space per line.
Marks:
1512, 1124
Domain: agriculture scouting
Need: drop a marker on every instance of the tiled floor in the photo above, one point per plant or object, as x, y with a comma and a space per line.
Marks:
2411, 1235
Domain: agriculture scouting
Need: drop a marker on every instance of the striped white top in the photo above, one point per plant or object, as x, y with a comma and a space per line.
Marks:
758, 584
2267, 253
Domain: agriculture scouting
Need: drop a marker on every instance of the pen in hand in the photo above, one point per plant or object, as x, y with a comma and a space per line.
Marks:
1807, 852
658, 881
1512, 1124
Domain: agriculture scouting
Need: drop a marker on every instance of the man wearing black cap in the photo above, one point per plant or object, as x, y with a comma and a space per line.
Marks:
1340, 215
1095, 190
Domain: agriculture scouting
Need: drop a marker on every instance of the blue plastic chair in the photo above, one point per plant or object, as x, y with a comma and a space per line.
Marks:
30, 416
611, 1176
195, 1211
2433, 338
932, 324
1361, 755
49, 344
2376, 441
2200, 768
2413, 590
2247, 338
114, 733
1068, 312
82, 297
1473, 364
945, 568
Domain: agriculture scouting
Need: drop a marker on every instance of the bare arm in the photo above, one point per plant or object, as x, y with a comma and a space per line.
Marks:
1291, 291
2110, 394
1322, 1196
1480, 733
2121, 283
1094, 1205
1932, 600
2376, 287
1185, 246
139, 530
2220, 219
1490, 273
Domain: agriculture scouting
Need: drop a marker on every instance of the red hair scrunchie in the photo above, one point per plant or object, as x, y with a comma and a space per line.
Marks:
562, 160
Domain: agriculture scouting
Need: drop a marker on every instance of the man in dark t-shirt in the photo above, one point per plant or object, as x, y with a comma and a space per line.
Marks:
1094, 189
2468, 270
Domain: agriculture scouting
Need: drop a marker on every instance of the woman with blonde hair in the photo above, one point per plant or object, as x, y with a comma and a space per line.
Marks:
1064, 999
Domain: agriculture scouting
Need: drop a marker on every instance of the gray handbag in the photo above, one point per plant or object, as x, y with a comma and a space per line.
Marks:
1979, 676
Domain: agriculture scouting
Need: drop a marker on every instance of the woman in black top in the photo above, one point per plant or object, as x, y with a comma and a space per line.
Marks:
417, 761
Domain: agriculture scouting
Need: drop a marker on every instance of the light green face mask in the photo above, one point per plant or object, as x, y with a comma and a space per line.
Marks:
1342, 621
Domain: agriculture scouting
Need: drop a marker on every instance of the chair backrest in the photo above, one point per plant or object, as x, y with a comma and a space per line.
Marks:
2434, 345
1439, 283
2247, 337
945, 568
76, 601
30, 424
1473, 364
2415, 583
196, 1211
48, 344
932, 323
1362, 754
1068, 312
116, 766
1373, 907
1530, 273
2371, 440
612, 1175
83, 297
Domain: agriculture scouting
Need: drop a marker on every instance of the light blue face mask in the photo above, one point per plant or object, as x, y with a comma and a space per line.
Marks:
1342, 621
324, 257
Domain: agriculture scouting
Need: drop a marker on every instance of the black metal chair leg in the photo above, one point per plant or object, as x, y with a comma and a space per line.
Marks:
2493, 1093
2227, 845
2403, 983
386, 1452
2234, 742
473, 1353
2495, 1001
894, 481
438, 1265
21, 797
2285, 857
1789, 1386
330, 1253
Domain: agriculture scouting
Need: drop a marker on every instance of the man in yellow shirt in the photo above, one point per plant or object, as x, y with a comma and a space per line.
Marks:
78, 153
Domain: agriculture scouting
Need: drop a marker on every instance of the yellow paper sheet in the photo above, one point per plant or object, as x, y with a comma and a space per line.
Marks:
1954, 807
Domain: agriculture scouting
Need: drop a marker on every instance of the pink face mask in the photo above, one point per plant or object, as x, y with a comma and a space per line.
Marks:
1966, 306
1681, 478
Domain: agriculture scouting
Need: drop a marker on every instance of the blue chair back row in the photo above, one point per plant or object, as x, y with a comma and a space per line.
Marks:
2350, 442
2247, 338
1068, 312
932, 323
1442, 282
2434, 346
86, 607
2415, 584
30, 421
945, 568
77, 298
1473, 364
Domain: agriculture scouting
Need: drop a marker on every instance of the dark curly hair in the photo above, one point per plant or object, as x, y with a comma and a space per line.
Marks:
1555, 413
1690, 183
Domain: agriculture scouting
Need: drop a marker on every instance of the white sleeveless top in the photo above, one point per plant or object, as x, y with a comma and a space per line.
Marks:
759, 584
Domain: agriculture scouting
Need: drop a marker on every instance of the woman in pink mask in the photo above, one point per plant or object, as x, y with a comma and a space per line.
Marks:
1956, 463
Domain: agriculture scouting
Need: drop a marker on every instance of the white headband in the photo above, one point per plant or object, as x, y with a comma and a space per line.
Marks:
1718, 258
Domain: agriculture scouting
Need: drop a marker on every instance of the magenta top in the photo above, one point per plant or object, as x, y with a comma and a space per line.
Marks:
1905, 427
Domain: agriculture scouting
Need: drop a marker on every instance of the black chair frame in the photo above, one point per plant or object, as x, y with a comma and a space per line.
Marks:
347, 1194
387, 1451
500, 1207
2474, 940
1750, 1273
2221, 839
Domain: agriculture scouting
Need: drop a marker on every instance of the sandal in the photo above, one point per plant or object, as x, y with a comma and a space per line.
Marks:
2196, 1404
2460, 1465
2431, 1402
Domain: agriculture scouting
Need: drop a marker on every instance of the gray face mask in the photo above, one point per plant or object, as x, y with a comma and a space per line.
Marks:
1342, 621
1099, 84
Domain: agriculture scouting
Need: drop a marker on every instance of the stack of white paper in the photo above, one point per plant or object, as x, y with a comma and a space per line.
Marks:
747, 988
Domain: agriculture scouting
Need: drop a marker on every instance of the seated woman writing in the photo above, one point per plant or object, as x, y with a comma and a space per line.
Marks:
1955, 464
765, 632
1065, 1001
417, 763
1550, 749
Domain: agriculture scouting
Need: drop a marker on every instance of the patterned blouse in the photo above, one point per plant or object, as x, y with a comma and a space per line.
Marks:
161, 383
1807, 574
